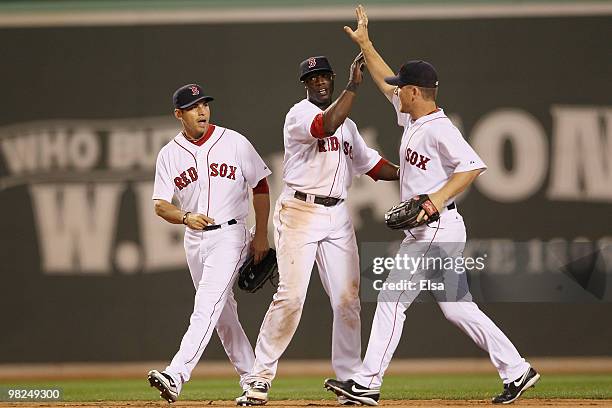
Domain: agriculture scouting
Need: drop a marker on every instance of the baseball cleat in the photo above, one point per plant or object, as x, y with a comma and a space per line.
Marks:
165, 384
242, 400
342, 400
256, 394
353, 391
514, 389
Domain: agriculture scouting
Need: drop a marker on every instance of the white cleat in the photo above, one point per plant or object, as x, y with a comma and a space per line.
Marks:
256, 394
165, 384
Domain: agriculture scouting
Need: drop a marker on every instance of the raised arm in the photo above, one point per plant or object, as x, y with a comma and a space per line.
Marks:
376, 65
338, 111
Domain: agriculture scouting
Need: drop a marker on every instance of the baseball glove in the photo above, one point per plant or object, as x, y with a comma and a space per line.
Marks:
252, 277
404, 215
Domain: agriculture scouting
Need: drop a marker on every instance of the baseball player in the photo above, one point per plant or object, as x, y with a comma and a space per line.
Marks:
323, 152
208, 169
435, 160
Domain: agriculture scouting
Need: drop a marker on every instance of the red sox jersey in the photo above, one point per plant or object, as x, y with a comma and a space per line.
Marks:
316, 164
210, 177
432, 149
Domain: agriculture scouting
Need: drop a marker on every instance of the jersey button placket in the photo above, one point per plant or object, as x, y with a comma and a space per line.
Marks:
202, 180
203, 187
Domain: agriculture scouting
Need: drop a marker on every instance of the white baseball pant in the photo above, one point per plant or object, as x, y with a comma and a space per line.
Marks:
305, 232
447, 237
214, 258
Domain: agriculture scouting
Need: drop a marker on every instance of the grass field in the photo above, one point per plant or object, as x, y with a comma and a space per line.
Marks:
406, 387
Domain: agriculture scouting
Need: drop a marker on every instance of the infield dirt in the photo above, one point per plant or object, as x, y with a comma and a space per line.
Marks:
324, 403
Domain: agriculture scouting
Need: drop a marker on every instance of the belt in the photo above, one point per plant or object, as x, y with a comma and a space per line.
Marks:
325, 201
217, 226
451, 206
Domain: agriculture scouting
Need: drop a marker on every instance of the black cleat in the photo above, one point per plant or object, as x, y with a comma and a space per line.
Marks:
165, 384
514, 389
353, 391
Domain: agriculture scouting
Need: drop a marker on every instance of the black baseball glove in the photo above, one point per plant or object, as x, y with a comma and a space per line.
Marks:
252, 277
404, 215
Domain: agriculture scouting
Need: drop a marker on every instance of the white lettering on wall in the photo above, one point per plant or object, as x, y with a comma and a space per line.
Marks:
529, 154
162, 242
75, 226
581, 165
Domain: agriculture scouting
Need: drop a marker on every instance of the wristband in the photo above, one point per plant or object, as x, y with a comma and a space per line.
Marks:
352, 87
185, 217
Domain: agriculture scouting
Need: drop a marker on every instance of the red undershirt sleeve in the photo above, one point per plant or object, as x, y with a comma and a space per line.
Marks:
316, 127
374, 170
261, 187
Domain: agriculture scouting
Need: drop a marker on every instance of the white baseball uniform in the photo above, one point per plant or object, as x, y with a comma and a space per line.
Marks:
212, 177
431, 151
305, 231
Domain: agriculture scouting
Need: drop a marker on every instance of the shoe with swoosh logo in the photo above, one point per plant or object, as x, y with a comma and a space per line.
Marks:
514, 389
256, 394
165, 384
342, 400
353, 391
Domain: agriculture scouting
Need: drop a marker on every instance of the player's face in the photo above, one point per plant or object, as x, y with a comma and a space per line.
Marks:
195, 119
320, 88
407, 95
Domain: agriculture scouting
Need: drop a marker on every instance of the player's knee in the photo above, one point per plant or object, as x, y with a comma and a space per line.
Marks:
197, 317
453, 312
292, 304
347, 304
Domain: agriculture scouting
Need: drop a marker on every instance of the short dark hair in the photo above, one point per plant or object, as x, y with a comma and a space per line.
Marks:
429, 94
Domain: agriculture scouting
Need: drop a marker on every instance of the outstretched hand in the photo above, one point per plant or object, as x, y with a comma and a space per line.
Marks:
360, 35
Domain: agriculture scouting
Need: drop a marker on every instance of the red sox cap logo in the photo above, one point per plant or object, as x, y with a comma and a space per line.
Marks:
312, 62
194, 90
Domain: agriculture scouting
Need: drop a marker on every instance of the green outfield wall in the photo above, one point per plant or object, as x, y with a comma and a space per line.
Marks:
88, 273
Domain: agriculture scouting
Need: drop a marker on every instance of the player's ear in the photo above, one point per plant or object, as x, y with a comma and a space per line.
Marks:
413, 92
178, 114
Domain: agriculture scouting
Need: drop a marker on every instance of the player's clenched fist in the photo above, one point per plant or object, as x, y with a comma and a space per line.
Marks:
197, 221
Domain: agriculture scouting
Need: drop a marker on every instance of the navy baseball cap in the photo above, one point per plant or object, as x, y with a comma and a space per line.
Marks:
189, 94
314, 64
417, 72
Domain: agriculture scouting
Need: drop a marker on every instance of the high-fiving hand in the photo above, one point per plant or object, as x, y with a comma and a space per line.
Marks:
360, 36
356, 75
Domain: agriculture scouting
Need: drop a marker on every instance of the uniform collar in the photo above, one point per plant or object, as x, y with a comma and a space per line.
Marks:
204, 138
438, 113
195, 145
313, 104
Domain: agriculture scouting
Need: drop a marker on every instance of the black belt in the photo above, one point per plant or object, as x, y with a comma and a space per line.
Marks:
217, 226
451, 206
325, 201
